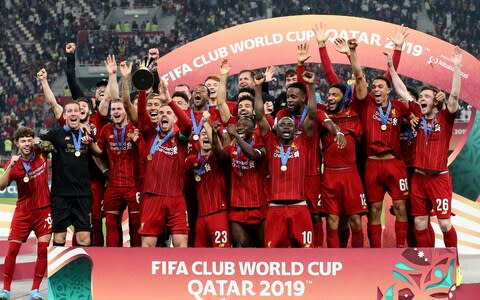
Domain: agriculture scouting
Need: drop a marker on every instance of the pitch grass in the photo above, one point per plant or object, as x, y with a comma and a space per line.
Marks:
8, 201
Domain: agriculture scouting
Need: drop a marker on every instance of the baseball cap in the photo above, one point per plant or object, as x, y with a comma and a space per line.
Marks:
102, 82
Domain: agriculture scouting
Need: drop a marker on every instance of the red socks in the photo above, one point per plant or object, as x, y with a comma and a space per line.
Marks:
401, 229
114, 230
357, 239
422, 238
40, 265
10, 259
375, 235
134, 226
333, 240
318, 234
450, 238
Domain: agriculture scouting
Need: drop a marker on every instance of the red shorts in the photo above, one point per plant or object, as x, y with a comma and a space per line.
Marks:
342, 192
288, 226
117, 198
160, 211
431, 191
23, 222
247, 216
213, 231
313, 192
386, 175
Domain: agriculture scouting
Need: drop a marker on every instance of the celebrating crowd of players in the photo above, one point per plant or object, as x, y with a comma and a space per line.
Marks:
215, 173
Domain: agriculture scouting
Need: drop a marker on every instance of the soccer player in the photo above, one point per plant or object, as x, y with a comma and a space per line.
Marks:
432, 186
211, 229
118, 140
163, 202
71, 194
288, 222
385, 170
32, 213
246, 155
342, 189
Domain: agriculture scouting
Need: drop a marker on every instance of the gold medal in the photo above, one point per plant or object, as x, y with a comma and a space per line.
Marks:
77, 153
198, 178
283, 168
149, 157
26, 179
383, 127
196, 137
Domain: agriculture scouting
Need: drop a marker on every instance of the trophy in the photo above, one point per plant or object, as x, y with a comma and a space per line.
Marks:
142, 78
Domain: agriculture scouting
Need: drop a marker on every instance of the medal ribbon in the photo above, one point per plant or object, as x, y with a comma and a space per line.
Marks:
302, 119
76, 142
200, 170
27, 165
284, 156
115, 135
197, 127
384, 117
157, 142
427, 129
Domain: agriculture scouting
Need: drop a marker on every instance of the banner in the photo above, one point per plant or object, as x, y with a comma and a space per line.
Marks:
148, 273
274, 42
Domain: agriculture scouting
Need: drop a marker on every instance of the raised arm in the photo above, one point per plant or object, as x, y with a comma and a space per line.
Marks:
126, 71
398, 40
361, 85
452, 104
321, 36
302, 57
70, 71
311, 120
183, 121
111, 91
222, 92
398, 84
49, 96
249, 150
259, 109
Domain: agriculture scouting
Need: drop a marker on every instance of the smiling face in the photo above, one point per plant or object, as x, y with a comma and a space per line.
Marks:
245, 108
245, 127
245, 79
286, 129
380, 91
71, 114
200, 96
117, 111
334, 98
25, 145
427, 101
212, 86
153, 107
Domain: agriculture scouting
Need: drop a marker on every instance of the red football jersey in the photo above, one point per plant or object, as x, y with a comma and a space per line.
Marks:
288, 184
247, 176
123, 159
35, 193
211, 188
432, 152
350, 126
380, 141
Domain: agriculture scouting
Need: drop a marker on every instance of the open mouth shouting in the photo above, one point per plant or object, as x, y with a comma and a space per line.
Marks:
165, 123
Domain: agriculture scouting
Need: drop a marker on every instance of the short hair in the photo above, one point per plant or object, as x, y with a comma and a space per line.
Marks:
290, 73
247, 90
246, 97
250, 118
341, 86
298, 85
152, 95
246, 71
68, 102
413, 92
181, 95
116, 100
23, 132
213, 77
429, 87
380, 77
